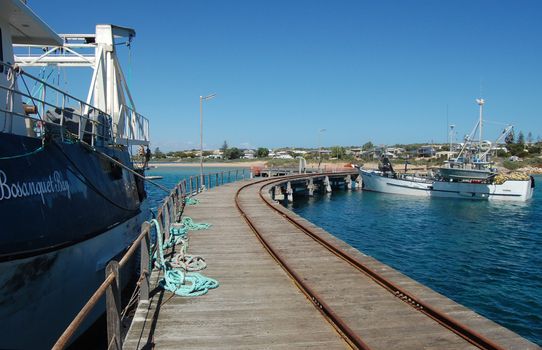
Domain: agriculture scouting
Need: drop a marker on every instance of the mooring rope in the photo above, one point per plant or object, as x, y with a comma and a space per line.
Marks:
190, 201
189, 224
188, 284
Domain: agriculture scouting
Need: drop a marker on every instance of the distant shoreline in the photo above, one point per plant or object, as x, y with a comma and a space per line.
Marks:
324, 166
208, 164
244, 164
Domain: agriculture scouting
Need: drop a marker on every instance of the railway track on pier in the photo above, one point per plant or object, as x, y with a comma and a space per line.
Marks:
322, 268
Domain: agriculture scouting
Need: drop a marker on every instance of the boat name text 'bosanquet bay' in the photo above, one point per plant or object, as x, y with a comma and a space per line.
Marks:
55, 183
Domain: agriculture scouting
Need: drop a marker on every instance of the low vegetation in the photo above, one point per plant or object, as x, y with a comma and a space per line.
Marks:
516, 153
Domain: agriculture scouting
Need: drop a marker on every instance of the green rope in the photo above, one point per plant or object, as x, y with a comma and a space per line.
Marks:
178, 234
37, 150
176, 281
190, 201
189, 224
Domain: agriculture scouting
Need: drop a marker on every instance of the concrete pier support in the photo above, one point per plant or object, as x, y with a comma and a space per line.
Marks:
311, 187
359, 183
348, 182
290, 192
277, 193
327, 184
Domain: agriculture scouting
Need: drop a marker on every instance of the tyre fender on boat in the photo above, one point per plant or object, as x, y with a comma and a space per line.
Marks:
532, 181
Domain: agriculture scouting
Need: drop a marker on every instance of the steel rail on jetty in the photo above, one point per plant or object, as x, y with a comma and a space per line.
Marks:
170, 211
353, 338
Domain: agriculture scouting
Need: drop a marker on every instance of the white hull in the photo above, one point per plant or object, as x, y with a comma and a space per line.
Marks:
374, 181
40, 296
508, 191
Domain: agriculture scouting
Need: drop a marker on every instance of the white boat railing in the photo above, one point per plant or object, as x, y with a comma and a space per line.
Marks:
46, 106
134, 128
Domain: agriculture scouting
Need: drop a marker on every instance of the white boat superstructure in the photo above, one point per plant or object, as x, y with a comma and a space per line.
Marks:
473, 161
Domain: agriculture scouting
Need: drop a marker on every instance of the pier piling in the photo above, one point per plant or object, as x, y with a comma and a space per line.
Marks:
327, 184
348, 182
311, 186
290, 192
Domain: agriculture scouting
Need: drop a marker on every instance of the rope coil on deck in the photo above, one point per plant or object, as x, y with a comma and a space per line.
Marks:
179, 237
190, 201
177, 281
193, 226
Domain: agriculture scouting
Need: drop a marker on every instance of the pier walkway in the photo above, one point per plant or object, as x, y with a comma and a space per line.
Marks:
333, 303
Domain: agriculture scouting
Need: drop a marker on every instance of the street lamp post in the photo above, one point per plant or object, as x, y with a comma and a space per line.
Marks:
201, 99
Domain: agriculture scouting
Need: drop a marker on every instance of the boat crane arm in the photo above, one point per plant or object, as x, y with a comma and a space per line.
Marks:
501, 137
468, 139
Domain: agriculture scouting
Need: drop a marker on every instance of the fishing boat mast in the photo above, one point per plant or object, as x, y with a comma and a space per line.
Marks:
480, 102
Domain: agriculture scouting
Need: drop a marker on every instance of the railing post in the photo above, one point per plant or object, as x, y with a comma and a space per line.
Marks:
166, 220
113, 306
222, 177
144, 267
162, 222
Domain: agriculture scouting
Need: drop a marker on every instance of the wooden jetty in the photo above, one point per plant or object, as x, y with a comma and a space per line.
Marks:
285, 283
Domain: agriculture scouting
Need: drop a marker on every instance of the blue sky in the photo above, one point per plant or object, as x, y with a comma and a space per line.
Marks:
380, 71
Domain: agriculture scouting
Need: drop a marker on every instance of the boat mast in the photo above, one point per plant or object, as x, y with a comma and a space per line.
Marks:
480, 102
451, 136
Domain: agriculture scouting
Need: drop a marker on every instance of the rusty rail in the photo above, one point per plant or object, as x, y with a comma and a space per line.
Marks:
446, 321
170, 211
348, 334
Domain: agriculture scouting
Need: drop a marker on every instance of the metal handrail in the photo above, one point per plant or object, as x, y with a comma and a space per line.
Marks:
139, 134
172, 206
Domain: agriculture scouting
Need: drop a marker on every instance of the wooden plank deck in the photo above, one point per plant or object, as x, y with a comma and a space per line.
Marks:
257, 305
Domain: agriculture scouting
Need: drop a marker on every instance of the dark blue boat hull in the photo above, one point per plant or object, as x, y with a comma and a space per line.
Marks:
60, 195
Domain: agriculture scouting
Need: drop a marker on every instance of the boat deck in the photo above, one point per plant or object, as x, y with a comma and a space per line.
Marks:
258, 304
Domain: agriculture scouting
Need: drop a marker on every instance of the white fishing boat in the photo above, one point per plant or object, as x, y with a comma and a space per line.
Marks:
70, 198
512, 188
469, 175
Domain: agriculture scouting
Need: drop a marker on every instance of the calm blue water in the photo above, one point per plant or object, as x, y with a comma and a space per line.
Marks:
486, 256
173, 175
